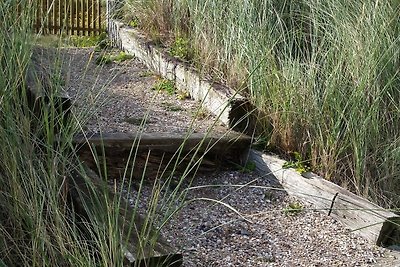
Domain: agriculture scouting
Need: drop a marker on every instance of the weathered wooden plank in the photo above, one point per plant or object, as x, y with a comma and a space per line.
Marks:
160, 151
170, 142
217, 98
361, 216
99, 13
82, 188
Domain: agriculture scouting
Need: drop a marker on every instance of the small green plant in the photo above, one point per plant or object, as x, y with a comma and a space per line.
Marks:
293, 208
298, 164
261, 143
183, 94
165, 85
103, 59
269, 195
249, 167
122, 56
107, 58
90, 41
146, 74
201, 114
180, 48
134, 23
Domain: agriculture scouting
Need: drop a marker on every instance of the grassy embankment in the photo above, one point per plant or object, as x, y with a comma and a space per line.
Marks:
324, 76
38, 225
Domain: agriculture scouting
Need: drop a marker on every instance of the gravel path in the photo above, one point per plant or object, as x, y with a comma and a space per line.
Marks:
119, 96
258, 228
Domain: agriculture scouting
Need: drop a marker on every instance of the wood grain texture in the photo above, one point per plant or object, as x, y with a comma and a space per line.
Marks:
168, 142
149, 154
356, 213
216, 97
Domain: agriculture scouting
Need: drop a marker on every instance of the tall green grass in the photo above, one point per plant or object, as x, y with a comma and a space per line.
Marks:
39, 169
324, 74
37, 225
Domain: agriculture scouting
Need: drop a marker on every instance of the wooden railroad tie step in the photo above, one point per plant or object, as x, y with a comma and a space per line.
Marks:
169, 142
158, 151
374, 223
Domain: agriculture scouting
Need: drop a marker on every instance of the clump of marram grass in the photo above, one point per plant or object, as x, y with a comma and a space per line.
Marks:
29, 178
326, 76
39, 223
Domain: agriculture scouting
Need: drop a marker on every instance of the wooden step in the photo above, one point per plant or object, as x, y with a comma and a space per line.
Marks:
376, 224
155, 152
230, 142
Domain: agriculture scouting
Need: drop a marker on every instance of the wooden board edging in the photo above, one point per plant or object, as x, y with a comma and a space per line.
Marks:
168, 142
369, 220
160, 151
215, 97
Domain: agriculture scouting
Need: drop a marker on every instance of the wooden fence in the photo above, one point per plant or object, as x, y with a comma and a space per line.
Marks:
72, 17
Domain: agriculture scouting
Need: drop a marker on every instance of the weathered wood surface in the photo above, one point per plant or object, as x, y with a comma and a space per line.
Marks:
356, 213
169, 142
82, 192
159, 152
40, 97
217, 98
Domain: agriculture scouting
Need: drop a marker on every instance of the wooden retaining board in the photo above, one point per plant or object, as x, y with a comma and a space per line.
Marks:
169, 142
153, 152
369, 220
226, 104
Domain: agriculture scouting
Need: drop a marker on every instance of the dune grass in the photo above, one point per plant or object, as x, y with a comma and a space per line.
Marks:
337, 107
37, 226
39, 169
324, 75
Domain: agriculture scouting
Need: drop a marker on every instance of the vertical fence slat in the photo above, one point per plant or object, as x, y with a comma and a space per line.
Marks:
77, 16
89, 12
60, 15
66, 16
49, 16
99, 28
83, 17
56, 16
44, 15
37, 6
94, 15
53, 16
71, 17
76, 21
